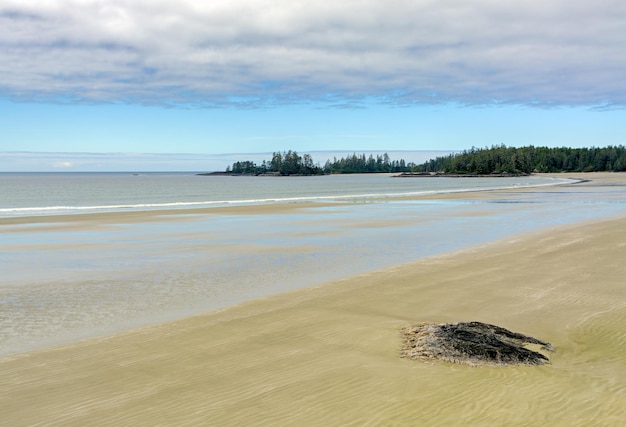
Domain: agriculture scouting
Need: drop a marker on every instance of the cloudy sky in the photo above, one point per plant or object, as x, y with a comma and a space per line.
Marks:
120, 78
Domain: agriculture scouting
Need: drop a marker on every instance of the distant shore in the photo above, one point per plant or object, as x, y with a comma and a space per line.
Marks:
255, 174
399, 175
456, 175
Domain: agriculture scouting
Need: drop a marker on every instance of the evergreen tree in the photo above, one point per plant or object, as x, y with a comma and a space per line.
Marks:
524, 160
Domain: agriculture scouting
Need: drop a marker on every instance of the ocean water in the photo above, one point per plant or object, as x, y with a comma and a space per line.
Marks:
72, 279
61, 193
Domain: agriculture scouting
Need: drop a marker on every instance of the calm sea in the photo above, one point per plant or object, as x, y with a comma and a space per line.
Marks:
61, 193
69, 280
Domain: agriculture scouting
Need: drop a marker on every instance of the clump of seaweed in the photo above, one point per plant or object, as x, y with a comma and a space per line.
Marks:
471, 343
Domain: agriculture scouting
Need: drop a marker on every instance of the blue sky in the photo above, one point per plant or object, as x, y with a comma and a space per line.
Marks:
188, 85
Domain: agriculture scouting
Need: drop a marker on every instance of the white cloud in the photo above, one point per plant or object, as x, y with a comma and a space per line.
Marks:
258, 52
63, 165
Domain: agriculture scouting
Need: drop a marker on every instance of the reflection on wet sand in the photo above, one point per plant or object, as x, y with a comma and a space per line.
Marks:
328, 355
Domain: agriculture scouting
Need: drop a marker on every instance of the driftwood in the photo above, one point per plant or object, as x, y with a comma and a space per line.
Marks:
471, 343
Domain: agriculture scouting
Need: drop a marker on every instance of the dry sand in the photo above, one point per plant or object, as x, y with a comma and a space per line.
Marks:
329, 355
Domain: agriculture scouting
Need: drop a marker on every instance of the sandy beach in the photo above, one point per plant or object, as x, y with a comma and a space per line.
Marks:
328, 355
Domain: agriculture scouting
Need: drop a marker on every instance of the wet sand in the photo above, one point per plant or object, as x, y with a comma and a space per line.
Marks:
329, 355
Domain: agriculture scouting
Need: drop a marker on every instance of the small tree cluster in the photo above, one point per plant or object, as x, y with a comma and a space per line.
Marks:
286, 163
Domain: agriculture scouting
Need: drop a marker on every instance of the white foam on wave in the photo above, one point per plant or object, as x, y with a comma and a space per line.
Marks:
52, 210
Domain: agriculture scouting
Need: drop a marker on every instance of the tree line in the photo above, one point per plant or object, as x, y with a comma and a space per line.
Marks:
497, 159
382, 163
525, 160
292, 163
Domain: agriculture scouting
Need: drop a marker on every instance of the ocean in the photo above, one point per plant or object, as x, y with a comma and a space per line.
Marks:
66, 279
61, 193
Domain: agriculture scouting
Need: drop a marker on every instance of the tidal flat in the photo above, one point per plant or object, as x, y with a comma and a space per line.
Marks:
80, 276
326, 353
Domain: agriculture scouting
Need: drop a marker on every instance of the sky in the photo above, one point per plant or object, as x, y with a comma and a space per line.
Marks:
192, 85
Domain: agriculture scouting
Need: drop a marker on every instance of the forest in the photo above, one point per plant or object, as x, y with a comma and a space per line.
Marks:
368, 164
526, 160
498, 159
291, 163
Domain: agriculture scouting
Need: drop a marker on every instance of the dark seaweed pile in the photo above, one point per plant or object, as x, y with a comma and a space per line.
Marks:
473, 343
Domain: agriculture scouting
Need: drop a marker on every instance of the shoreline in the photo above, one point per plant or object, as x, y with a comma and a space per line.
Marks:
328, 355
132, 214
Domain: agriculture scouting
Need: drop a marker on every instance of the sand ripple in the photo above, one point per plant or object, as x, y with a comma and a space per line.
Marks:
329, 356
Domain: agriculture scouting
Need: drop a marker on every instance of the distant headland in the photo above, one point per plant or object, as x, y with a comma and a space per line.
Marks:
486, 162
290, 163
